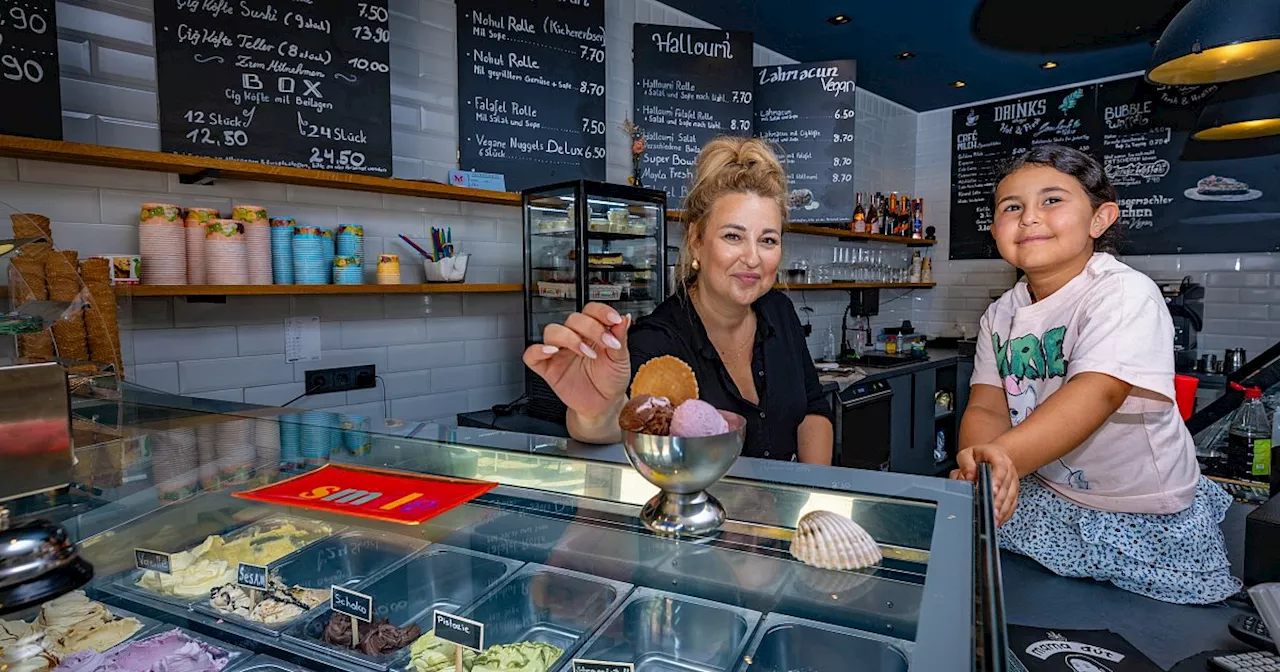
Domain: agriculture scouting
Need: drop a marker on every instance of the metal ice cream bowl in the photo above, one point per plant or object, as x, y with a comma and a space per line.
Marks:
683, 468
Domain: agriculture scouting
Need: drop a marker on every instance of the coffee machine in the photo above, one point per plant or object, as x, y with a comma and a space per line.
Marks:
1185, 301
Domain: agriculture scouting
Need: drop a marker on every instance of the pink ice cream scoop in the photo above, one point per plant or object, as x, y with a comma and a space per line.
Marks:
696, 418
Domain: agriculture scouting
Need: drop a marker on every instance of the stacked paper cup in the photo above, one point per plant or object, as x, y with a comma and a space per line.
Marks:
317, 442
290, 442
207, 452
226, 258
235, 449
174, 463
355, 434
350, 241
388, 269
195, 222
163, 244
282, 250
266, 439
257, 241
329, 249
309, 266
347, 271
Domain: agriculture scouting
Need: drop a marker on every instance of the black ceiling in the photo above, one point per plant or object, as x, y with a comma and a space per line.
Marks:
995, 46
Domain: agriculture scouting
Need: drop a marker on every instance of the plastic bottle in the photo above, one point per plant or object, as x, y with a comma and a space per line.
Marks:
915, 266
829, 353
1249, 438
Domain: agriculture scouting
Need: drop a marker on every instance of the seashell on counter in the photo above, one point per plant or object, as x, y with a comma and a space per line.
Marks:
832, 541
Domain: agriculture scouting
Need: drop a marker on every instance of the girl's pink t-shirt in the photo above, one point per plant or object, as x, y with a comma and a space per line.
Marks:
1110, 319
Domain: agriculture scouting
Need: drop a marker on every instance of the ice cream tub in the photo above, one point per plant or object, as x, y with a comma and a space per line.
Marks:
345, 559
783, 643
406, 595
165, 648
212, 563
73, 623
659, 631
264, 663
549, 605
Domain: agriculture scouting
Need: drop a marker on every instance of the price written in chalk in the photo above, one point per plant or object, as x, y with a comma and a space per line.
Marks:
20, 19
327, 156
591, 54
591, 88
154, 561
464, 632
350, 603
841, 137
582, 665
374, 34
844, 113
251, 576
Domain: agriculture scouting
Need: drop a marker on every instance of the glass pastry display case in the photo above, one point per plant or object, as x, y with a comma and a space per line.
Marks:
553, 560
589, 241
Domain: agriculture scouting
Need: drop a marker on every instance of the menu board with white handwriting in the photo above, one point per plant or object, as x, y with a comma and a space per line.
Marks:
691, 84
29, 70
807, 110
531, 90
283, 82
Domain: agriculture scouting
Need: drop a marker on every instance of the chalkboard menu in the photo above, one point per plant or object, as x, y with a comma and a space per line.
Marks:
291, 83
29, 70
807, 109
1176, 194
691, 84
985, 137
531, 90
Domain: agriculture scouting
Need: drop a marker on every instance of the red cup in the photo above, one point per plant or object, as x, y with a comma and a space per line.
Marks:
1184, 388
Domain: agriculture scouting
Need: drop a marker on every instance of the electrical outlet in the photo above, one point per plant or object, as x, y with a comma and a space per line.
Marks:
341, 379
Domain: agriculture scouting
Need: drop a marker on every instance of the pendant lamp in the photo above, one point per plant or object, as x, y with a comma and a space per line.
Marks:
1212, 41
1242, 110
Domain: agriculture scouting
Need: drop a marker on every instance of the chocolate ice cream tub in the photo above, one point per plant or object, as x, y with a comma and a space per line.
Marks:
549, 605
440, 577
345, 559
784, 643
656, 630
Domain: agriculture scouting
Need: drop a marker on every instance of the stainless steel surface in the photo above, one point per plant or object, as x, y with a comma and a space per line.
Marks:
38, 561
438, 578
683, 468
261, 663
666, 632
784, 643
344, 559
35, 423
1233, 360
549, 605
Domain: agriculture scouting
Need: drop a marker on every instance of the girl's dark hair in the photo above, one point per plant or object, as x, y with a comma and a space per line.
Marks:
1087, 171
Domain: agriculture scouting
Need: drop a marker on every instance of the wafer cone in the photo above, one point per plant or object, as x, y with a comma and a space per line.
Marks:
100, 317
666, 376
27, 282
69, 336
29, 225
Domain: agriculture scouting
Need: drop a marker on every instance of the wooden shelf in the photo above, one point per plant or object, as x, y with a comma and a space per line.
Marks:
858, 285
850, 235
135, 159
303, 290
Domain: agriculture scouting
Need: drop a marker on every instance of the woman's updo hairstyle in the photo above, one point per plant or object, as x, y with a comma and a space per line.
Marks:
728, 165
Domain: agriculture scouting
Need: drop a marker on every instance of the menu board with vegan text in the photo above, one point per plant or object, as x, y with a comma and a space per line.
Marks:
282, 82
807, 110
29, 70
691, 84
531, 90
986, 136
1176, 194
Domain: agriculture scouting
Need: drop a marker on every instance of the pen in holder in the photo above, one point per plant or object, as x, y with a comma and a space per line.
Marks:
449, 269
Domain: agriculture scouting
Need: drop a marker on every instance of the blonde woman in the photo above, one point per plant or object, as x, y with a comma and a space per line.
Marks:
741, 336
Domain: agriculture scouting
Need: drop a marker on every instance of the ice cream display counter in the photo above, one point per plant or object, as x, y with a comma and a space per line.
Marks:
554, 561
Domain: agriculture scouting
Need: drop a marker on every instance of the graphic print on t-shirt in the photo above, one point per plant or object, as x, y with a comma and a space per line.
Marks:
1024, 361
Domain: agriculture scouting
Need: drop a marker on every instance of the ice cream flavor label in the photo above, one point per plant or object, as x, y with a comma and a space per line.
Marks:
464, 632
251, 576
152, 560
356, 605
409, 499
580, 665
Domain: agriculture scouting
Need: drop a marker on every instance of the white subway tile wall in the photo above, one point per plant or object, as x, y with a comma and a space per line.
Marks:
1242, 301
439, 354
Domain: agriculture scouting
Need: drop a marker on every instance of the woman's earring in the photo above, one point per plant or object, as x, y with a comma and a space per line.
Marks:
695, 265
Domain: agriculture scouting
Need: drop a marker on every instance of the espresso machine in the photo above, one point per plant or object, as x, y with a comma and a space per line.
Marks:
1185, 301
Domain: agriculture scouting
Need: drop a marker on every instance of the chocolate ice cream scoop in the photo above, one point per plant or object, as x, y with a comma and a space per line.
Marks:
377, 638
647, 414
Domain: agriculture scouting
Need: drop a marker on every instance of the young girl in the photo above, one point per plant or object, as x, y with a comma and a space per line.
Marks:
1072, 393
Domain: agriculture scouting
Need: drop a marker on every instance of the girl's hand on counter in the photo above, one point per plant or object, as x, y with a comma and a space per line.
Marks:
585, 360
1004, 476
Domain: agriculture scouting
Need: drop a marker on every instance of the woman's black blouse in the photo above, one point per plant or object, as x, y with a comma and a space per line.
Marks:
786, 380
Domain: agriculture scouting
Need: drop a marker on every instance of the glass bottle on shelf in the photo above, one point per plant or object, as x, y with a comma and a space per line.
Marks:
873, 214
859, 215
917, 226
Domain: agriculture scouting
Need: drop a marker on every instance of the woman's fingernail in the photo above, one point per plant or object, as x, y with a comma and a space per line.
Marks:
550, 349
588, 351
610, 341
615, 318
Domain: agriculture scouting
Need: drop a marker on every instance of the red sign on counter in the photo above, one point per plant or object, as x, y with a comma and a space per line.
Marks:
409, 499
